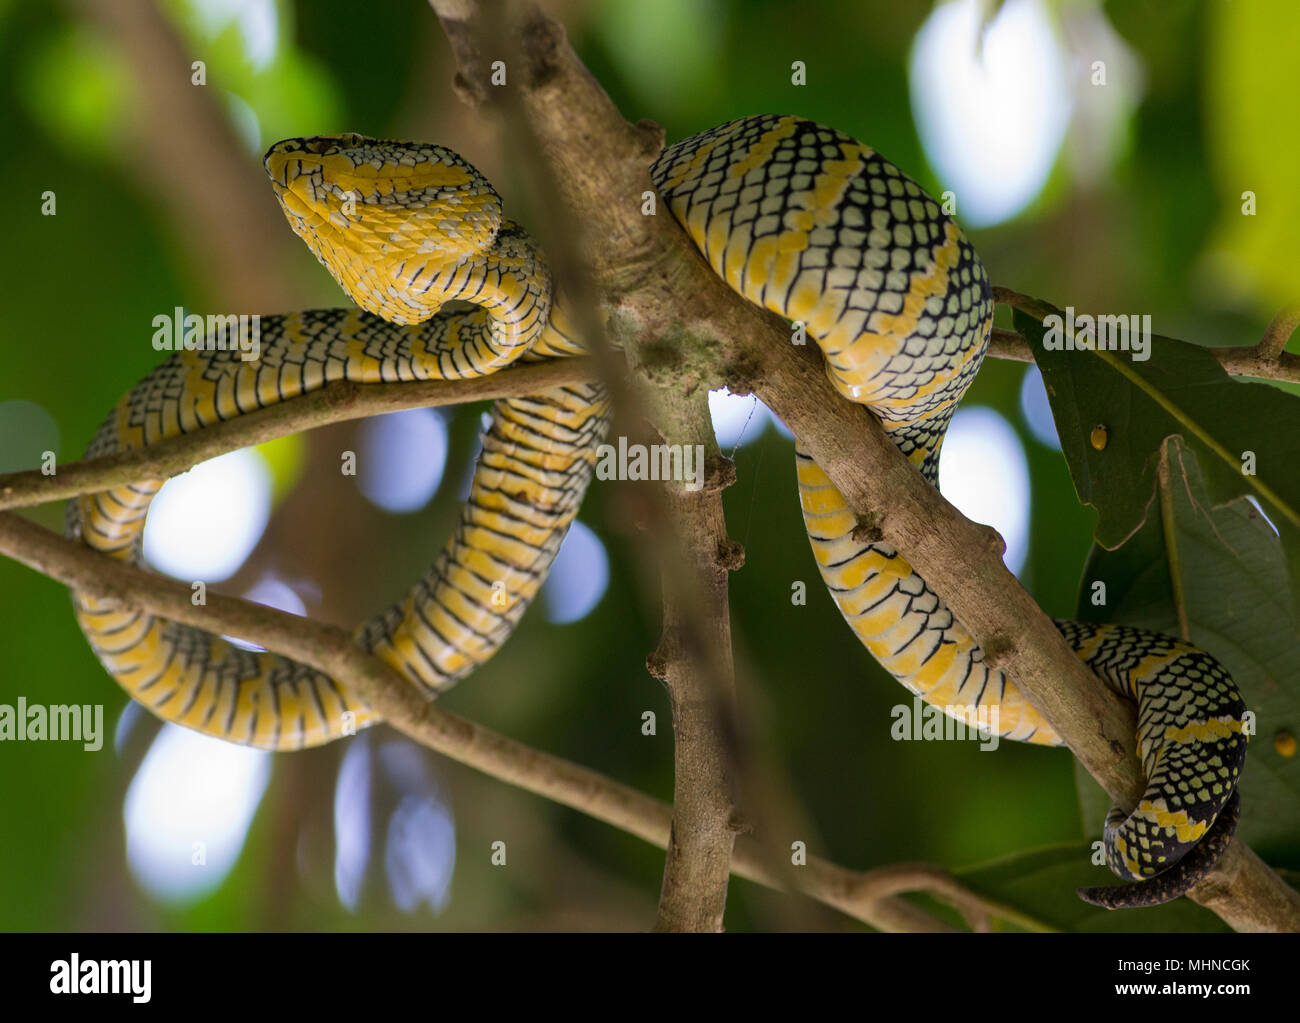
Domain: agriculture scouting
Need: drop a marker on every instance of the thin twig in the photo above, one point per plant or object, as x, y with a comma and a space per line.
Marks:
335, 402
694, 661
1264, 361
1278, 332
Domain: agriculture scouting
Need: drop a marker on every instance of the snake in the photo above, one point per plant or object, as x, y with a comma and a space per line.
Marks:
796, 217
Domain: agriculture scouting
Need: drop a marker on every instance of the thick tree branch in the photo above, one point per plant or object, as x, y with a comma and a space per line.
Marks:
648, 276
867, 896
694, 661
686, 528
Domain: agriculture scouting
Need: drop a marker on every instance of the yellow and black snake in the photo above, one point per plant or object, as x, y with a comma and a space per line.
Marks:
796, 217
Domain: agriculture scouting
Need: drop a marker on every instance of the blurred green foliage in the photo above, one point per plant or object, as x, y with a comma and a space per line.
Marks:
1155, 233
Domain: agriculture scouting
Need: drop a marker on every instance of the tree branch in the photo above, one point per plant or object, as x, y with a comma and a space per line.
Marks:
687, 529
333, 403
1265, 361
1278, 333
694, 661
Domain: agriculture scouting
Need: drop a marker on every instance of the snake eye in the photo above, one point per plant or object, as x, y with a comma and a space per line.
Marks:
334, 143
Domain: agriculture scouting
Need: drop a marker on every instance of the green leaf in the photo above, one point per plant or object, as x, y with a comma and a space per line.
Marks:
1041, 883
1180, 390
1215, 576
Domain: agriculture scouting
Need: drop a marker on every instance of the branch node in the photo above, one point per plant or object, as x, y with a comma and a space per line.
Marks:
472, 94
991, 540
741, 373
342, 394
543, 41
649, 137
1279, 332
740, 822
719, 474
731, 555
998, 649
867, 531
656, 663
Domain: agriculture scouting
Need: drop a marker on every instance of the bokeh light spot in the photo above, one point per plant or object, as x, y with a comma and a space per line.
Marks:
578, 578
737, 418
1037, 410
205, 523
983, 472
992, 111
188, 810
352, 822
401, 458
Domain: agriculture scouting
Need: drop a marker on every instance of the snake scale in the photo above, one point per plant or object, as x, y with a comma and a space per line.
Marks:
796, 217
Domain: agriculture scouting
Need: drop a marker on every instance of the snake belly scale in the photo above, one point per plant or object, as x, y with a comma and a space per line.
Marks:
796, 217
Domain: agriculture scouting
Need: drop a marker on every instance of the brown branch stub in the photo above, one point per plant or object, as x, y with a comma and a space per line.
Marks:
1009, 344
867, 530
1278, 333
731, 555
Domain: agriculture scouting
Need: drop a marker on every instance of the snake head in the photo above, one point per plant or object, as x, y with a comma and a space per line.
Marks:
386, 218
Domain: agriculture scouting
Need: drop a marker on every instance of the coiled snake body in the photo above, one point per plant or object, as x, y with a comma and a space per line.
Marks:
796, 217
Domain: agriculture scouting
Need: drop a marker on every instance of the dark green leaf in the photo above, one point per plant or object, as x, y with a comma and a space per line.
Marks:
1041, 884
1181, 390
